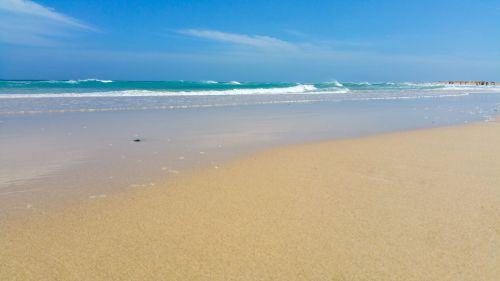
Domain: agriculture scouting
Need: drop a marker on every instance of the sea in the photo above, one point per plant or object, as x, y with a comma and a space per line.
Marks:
24, 97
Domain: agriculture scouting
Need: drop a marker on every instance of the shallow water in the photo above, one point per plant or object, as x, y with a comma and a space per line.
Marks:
63, 151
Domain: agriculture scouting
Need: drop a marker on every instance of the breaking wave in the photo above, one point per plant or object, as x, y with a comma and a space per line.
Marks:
147, 93
74, 81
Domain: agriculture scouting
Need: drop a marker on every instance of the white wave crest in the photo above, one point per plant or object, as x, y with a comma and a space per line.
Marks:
337, 83
146, 93
75, 81
95, 80
334, 83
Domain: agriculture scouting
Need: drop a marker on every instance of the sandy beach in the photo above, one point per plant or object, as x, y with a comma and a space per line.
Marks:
249, 140
417, 205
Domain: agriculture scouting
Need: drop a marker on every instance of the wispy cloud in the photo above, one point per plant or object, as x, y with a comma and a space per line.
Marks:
31, 8
258, 41
29, 23
313, 53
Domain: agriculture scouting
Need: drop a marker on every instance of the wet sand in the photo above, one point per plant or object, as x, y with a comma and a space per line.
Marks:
56, 159
419, 205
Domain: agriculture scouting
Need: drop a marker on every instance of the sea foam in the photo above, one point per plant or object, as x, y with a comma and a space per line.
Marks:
148, 93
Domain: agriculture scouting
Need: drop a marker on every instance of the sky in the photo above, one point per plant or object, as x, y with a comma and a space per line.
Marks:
254, 40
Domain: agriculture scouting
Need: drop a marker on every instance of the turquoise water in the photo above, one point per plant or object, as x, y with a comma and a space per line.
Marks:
21, 97
109, 87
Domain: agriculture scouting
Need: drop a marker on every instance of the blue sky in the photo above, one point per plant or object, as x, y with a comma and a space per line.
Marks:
250, 40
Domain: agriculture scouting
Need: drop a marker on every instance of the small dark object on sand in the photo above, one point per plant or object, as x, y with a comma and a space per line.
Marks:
137, 140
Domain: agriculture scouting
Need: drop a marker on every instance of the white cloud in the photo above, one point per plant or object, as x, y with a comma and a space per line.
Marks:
28, 23
31, 8
239, 39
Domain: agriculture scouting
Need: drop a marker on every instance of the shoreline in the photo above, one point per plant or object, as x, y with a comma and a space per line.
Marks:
53, 161
412, 205
53, 204
468, 83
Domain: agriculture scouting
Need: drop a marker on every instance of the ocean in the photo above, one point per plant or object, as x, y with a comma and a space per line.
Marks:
18, 97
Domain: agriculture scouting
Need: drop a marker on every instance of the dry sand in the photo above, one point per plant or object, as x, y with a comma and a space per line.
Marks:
421, 205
